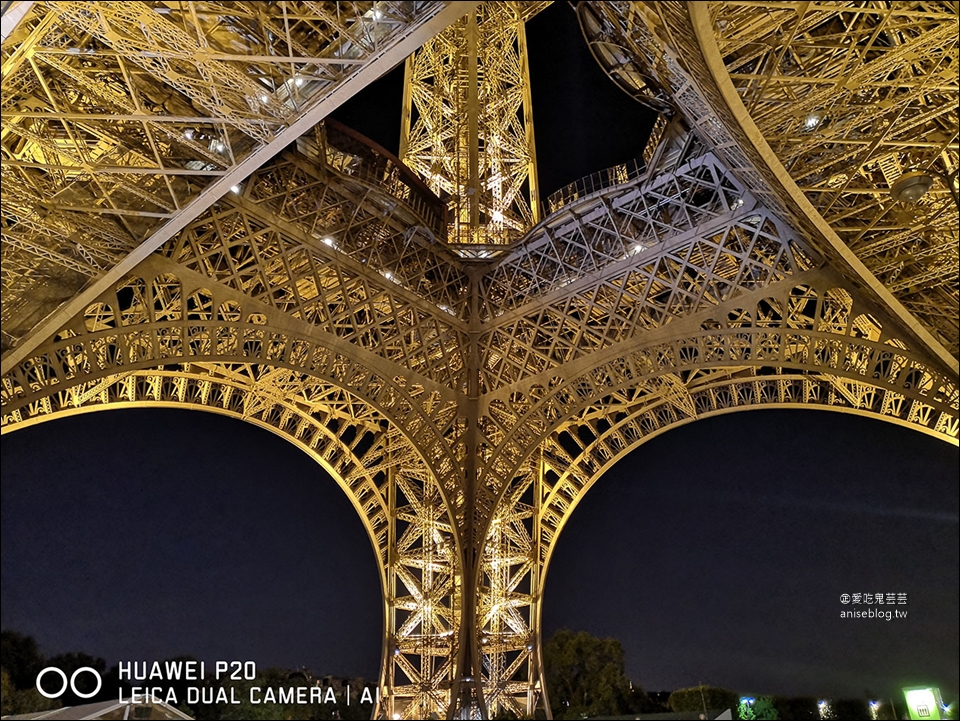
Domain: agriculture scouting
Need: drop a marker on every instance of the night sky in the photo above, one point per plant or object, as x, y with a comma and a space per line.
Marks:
716, 553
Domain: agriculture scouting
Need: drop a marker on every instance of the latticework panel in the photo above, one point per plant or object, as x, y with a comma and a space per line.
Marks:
318, 245
124, 121
468, 128
636, 258
700, 87
465, 399
850, 98
509, 605
169, 315
425, 585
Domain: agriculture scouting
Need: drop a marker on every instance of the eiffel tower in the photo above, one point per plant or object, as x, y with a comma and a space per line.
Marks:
182, 226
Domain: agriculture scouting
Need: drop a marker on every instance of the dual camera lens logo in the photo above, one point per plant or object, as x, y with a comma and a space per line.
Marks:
72, 683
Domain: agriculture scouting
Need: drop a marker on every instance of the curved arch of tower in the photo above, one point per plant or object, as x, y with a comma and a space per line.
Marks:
182, 226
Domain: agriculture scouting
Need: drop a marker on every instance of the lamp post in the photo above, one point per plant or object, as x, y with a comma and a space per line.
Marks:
914, 184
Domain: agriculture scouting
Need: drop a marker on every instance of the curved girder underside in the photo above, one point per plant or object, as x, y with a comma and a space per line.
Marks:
123, 122
850, 98
397, 497
166, 314
861, 223
348, 440
467, 402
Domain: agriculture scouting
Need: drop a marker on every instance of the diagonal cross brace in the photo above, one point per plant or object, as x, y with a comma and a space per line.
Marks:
413, 37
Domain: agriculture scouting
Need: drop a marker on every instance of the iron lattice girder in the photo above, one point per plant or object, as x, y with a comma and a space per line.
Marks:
467, 125
668, 296
576, 285
344, 435
693, 71
830, 64
145, 114
321, 247
690, 359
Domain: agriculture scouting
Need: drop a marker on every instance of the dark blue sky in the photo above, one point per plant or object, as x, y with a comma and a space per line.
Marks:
716, 552
144, 534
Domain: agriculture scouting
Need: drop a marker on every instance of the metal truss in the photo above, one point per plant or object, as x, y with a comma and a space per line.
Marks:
466, 402
123, 122
829, 63
468, 125
821, 126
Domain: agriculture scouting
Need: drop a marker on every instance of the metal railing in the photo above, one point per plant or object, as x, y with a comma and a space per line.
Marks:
348, 153
600, 180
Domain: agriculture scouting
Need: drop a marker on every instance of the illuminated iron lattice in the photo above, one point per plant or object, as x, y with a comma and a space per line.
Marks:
465, 379
468, 126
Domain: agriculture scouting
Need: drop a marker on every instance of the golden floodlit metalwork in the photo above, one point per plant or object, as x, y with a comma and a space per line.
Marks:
182, 227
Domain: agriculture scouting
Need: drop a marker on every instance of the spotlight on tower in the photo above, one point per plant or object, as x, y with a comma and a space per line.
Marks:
910, 187
914, 184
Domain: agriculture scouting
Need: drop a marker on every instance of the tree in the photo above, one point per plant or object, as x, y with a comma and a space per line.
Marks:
797, 708
639, 702
27, 700
699, 698
760, 708
21, 658
22, 662
585, 676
